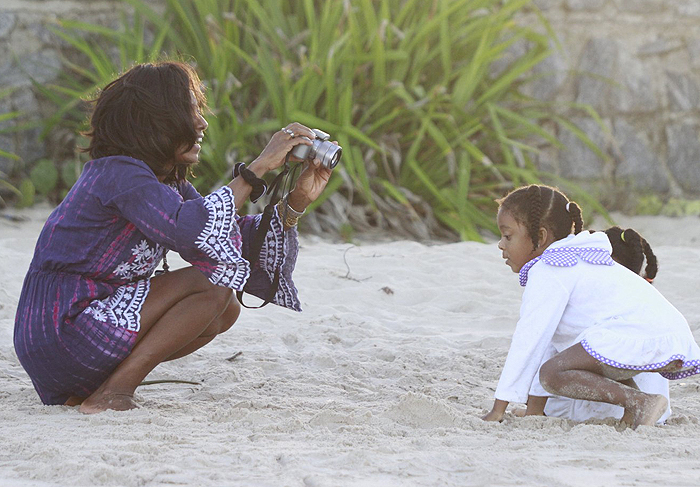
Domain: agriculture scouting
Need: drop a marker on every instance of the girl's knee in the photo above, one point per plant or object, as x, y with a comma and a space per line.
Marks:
548, 376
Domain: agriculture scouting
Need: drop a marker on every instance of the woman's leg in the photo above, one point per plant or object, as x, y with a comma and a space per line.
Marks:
575, 373
182, 312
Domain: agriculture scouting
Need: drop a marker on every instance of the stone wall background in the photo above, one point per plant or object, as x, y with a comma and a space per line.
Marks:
29, 50
637, 62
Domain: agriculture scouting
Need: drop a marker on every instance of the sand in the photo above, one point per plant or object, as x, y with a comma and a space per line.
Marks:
380, 381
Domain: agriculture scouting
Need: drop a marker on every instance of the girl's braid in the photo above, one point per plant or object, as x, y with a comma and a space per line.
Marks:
534, 217
576, 217
652, 264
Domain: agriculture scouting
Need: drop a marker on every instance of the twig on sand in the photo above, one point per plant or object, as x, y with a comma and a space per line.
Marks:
347, 276
169, 381
234, 356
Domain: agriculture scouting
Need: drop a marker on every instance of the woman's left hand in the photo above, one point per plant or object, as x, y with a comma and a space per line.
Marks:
310, 184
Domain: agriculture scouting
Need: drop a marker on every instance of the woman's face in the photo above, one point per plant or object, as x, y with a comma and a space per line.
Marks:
515, 244
200, 124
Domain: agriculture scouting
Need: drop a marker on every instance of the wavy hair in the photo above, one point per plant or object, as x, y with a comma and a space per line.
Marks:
147, 113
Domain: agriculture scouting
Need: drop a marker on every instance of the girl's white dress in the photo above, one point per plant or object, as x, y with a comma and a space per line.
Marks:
575, 293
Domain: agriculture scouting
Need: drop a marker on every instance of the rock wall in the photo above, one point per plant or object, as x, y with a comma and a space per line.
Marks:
30, 51
635, 61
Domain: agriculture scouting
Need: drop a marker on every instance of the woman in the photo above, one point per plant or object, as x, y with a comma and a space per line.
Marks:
91, 321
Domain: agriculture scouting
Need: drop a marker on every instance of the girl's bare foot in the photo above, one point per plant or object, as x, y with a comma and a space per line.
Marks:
627, 417
101, 401
649, 411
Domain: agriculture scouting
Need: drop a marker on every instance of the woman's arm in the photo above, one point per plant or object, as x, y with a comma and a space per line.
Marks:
271, 158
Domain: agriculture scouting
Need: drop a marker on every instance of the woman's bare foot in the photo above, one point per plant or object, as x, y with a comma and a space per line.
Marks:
74, 401
101, 401
649, 411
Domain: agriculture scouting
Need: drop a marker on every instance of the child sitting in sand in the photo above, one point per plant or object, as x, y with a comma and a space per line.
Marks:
593, 324
631, 250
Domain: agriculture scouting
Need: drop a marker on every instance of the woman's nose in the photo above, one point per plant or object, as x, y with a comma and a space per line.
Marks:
201, 122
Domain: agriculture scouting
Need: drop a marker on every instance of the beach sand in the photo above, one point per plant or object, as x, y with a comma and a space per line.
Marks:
380, 381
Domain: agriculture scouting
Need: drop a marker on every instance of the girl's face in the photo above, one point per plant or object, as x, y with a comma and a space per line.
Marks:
200, 125
515, 242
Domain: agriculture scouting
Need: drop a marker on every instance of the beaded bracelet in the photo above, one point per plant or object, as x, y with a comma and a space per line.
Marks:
259, 185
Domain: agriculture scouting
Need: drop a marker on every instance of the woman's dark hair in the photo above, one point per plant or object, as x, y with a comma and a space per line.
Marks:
147, 113
543, 206
631, 249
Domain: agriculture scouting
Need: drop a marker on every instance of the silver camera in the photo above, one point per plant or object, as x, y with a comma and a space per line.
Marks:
326, 151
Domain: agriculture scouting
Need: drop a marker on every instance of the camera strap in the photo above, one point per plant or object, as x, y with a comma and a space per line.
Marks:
284, 180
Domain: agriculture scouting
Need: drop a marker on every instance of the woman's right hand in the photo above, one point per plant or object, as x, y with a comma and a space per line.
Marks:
283, 141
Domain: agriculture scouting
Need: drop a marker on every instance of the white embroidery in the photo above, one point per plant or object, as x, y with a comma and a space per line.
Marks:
221, 243
143, 262
272, 256
123, 307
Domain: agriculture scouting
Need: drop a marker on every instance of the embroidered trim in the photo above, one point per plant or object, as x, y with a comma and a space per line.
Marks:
123, 307
272, 256
143, 262
691, 367
568, 257
221, 242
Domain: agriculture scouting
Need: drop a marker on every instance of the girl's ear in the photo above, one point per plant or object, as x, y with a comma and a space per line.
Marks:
544, 238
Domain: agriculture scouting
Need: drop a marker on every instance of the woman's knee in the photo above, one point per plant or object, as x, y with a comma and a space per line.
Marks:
224, 321
220, 297
230, 315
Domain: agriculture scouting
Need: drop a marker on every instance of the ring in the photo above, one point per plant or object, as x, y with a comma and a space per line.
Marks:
289, 132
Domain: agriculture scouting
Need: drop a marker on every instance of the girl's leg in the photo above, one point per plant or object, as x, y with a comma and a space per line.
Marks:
575, 373
182, 312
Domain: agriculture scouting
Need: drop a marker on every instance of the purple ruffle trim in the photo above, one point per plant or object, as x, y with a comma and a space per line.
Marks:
690, 367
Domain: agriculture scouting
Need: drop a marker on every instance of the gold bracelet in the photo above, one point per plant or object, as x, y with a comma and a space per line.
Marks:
290, 218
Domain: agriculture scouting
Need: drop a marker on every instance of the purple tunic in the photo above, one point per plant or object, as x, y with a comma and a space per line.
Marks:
79, 312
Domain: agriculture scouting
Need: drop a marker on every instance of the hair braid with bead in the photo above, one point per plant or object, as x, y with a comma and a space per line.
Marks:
631, 250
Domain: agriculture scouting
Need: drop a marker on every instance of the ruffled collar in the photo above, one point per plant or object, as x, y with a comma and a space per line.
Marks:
568, 256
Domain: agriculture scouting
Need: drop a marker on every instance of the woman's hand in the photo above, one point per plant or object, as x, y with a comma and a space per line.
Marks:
310, 184
278, 147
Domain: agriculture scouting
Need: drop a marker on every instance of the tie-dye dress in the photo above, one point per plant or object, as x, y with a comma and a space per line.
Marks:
79, 312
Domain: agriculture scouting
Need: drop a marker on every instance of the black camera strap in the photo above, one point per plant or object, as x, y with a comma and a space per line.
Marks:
284, 180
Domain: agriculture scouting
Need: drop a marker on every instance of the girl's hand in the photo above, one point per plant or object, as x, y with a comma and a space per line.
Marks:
278, 147
493, 416
497, 412
310, 184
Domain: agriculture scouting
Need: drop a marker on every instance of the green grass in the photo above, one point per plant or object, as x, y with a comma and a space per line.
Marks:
407, 87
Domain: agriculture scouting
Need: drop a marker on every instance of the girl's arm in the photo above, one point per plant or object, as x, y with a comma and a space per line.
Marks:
544, 301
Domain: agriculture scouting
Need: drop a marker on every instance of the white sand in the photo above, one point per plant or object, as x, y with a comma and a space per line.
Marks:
380, 381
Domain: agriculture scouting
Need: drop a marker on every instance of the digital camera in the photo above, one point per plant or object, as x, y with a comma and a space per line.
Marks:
326, 151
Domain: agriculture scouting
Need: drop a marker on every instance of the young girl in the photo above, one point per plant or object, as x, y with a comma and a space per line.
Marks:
92, 321
631, 250
594, 324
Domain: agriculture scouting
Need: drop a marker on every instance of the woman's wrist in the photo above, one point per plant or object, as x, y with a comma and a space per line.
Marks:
298, 202
258, 167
